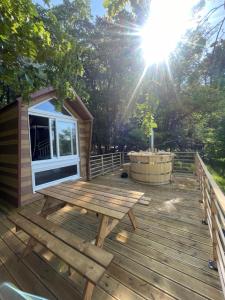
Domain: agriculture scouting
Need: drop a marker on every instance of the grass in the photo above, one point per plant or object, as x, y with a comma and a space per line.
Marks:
220, 180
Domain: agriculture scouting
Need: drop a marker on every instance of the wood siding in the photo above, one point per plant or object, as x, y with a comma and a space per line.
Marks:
15, 157
84, 136
9, 181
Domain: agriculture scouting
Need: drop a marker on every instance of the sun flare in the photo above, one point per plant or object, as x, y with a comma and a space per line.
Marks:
168, 21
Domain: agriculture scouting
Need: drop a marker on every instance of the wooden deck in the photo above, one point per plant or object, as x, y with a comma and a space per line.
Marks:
165, 258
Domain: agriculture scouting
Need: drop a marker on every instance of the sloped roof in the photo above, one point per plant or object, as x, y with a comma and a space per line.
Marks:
76, 104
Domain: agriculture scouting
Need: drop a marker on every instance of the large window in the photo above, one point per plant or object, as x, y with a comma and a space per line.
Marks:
53, 139
39, 138
46, 134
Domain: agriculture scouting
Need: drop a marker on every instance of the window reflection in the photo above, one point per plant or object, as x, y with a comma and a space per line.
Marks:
53, 107
39, 137
74, 140
64, 132
53, 129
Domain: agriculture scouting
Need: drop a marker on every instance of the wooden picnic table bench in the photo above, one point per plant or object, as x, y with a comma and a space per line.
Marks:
112, 204
87, 259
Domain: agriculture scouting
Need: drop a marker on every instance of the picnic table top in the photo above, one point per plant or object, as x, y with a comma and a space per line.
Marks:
105, 200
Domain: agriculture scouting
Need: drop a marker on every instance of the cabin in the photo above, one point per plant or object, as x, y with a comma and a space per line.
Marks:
42, 144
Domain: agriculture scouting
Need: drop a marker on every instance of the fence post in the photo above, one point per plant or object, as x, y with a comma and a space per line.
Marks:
112, 162
102, 161
90, 171
204, 196
197, 163
213, 262
201, 177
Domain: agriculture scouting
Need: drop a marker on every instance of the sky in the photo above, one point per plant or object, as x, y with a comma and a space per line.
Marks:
97, 8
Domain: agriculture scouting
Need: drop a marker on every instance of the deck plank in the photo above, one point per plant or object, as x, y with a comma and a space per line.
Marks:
165, 258
26, 279
176, 292
179, 249
89, 228
6, 277
58, 285
88, 268
50, 269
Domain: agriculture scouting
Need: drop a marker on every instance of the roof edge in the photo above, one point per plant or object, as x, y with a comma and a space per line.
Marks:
50, 89
39, 93
83, 106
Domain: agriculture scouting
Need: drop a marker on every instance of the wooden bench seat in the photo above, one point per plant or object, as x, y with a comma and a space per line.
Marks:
88, 260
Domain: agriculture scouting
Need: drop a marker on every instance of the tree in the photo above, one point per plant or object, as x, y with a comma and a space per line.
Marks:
139, 8
36, 50
111, 67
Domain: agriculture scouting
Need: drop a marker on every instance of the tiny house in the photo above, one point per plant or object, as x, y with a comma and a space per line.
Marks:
42, 144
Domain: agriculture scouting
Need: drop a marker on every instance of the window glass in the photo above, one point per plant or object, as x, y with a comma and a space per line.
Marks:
64, 134
53, 131
74, 140
54, 174
40, 138
53, 107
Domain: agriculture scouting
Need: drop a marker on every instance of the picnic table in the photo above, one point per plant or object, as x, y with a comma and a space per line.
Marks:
112, 204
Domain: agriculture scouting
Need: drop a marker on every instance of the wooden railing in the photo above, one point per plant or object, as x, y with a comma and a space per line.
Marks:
214, 213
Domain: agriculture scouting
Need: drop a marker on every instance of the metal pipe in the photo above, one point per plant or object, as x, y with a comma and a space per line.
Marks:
152, 140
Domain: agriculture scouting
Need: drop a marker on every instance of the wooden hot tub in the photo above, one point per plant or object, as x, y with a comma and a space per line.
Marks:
151, 168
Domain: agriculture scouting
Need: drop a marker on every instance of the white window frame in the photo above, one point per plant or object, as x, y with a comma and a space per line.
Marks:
59, 161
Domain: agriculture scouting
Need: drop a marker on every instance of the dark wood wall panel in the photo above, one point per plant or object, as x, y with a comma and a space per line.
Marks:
8, 197
9, 112
27, 194
9, 158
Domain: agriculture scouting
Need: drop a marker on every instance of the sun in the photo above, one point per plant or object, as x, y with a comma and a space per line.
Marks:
168, 21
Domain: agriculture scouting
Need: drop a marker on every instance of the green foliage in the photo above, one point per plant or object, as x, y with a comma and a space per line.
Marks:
218, 177
114, 6
37, 49
21, 31
146, 118
139, 8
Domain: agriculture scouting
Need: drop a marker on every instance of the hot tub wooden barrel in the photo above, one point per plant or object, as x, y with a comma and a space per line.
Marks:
151, 168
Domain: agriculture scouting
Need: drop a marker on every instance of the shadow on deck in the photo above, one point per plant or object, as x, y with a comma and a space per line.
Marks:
165, 258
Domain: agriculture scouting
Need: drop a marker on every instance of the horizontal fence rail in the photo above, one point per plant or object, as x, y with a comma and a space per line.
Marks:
214, 212
184, 162
105, 163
